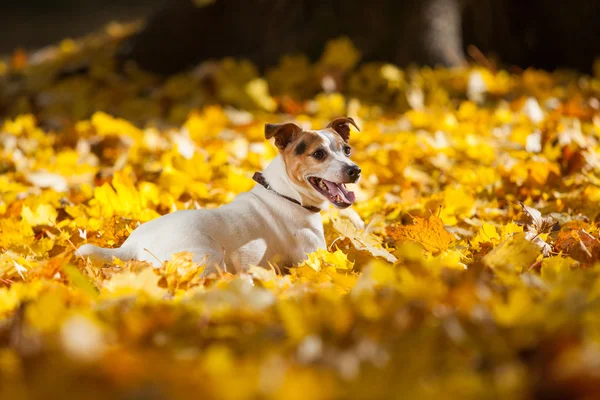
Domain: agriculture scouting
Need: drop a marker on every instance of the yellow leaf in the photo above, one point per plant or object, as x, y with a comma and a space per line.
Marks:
48, 309
293, 321
322, 258
258, 90
44, 214
517, 307
362, 240
106, 124
554, 268
429, 233
508, 230
515, 255
486, 234
78, 279
340, 53
128, 283
457, 202
180, 271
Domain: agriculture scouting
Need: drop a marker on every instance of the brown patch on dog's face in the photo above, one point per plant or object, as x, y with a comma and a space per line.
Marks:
299, 156
317, 162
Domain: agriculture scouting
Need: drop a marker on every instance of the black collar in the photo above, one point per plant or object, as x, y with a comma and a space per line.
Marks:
259, 178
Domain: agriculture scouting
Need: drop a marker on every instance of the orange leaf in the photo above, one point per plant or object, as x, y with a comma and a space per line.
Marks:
19, 59
429, 233
578, 244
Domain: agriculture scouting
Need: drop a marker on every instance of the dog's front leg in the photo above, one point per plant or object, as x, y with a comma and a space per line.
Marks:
353, 216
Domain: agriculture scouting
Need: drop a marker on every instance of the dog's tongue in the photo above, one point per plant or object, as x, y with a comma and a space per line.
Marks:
336, 189
348, 195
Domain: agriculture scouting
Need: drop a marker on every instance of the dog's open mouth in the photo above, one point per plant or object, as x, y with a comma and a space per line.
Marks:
336, 193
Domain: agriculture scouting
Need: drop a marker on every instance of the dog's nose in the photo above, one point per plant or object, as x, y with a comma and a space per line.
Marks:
353, 172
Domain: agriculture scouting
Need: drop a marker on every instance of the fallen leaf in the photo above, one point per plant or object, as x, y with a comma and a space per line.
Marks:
362, 240
557, 267
44, 214
79, 280
429, 233
579, 244
538, 227
514, 255
537, 223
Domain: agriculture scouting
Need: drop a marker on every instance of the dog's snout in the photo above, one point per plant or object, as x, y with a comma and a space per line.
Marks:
353, 172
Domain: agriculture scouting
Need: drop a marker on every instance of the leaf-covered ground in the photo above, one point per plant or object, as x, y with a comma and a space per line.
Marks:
474, 275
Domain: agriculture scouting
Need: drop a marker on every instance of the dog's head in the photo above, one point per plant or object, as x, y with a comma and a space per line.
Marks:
318, 161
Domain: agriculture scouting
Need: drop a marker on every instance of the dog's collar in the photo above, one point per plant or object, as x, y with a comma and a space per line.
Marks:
259, 178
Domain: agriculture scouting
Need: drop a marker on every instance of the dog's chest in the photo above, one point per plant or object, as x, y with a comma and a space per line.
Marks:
280, 233
303, 241
284, 247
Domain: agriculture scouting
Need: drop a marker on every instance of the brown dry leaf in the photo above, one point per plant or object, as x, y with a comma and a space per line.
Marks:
429, 233
579, 244
538, 227
538, 223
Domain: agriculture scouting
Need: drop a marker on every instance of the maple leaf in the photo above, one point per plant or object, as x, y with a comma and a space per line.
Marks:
429, 233
322, 258
486, 234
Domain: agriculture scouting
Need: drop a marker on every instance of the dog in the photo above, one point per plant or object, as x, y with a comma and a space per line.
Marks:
278, 221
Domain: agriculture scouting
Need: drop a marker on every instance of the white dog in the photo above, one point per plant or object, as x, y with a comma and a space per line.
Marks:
277, 221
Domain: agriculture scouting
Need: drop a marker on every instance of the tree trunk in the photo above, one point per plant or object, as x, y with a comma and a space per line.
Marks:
542, 33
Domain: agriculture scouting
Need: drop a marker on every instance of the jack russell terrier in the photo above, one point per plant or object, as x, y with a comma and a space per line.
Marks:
277, 221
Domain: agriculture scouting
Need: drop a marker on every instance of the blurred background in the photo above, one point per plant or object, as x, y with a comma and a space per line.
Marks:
32, 24
179, 33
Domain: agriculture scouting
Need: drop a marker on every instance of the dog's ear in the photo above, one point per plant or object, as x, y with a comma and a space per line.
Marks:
342, 127
284, 134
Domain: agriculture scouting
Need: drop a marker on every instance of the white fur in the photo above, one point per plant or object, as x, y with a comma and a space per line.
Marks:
257, 227
339, 162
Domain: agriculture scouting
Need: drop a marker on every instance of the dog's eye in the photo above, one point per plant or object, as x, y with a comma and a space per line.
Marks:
319, 154
347, 150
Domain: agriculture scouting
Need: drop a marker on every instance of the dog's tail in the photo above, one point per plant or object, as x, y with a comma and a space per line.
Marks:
102, 255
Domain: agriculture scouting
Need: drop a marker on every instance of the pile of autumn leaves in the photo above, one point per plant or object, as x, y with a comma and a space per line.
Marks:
469, 269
